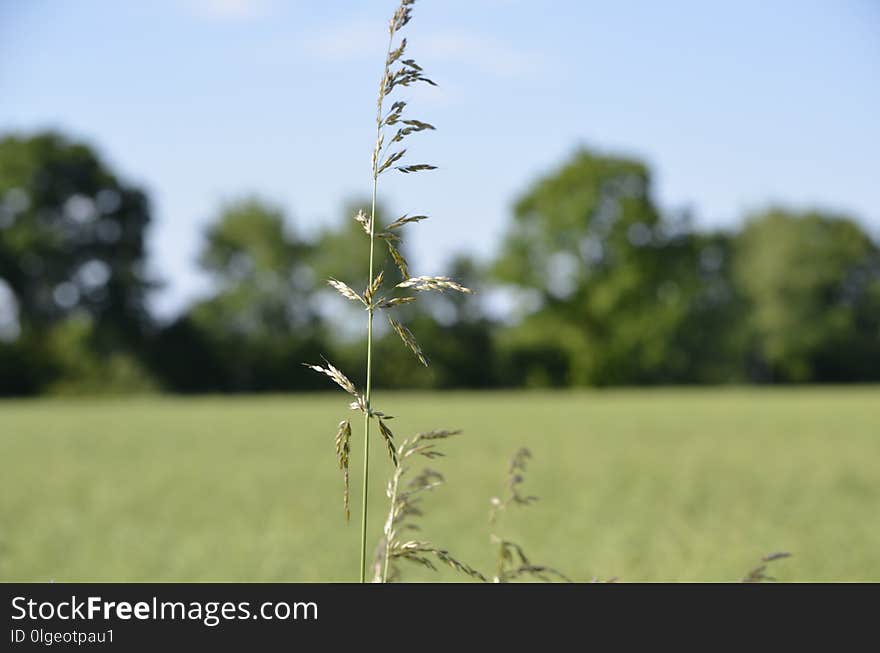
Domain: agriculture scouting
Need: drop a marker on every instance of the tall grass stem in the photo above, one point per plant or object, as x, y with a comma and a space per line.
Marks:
369, 388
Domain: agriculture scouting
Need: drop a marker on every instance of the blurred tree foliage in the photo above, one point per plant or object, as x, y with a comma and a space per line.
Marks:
76, 369
72, 258
258, 327
812, 283
605, 289
73, 237
613, 293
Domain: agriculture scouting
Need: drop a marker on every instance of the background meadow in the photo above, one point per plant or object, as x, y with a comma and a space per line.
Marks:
662, 485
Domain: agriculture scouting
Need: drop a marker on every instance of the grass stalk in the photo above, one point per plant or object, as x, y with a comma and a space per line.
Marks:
398, 72
395, 485
369, 387
366, 475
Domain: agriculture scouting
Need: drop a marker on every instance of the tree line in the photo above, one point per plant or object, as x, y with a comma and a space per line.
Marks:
603, 288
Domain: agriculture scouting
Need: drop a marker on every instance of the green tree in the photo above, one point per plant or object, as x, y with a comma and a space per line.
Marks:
72, 238
812, 283
251, 334
72, 269
614, 292
260, 269
76, 369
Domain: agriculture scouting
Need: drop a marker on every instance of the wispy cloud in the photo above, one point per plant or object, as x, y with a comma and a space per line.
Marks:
487, 54
230, 9
346, 42
482, 52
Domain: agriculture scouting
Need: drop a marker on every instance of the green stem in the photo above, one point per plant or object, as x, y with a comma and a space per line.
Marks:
369, 390
390, 524
367, 397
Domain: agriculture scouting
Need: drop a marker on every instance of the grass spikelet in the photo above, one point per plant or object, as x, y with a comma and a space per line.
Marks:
438, 284
405, 219
396, 110
415, 168
388, 236
336, 375
408, 339
389, 440
418, 552
514, 564
343, 455
344, 290
395, 54
391, 302
758, 574
359, 403
398, 259
364, 221
439, 434
373, 288
515, 477
393, 158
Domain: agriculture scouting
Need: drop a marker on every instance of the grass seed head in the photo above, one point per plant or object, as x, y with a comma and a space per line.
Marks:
438, 284
373, 288
344, 290
389, 440
391, 302
759, 573
364, 221
336, 375
405, 219
398, 259
343, 457
408, 339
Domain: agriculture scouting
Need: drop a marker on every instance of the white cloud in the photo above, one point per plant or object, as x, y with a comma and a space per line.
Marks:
230, 9
484, 53
346, 42
487, 54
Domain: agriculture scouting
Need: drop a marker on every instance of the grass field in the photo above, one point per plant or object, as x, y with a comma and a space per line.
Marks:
663, 485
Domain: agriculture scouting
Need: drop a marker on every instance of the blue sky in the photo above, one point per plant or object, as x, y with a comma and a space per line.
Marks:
735, 105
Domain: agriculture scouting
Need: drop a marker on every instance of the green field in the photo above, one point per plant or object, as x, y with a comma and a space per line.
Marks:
662, 485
